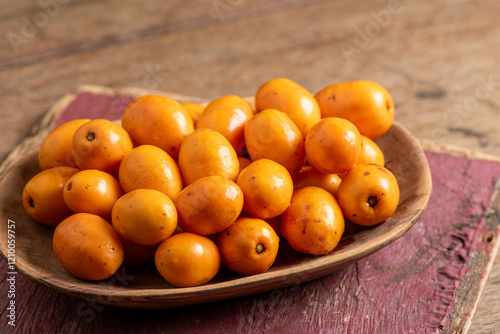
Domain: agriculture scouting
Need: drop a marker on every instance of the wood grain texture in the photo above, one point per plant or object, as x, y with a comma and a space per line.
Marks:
436, 58
237, 55
196, 62
95, 26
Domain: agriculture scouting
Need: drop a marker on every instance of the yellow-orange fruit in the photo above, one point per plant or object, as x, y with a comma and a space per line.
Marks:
291, 98
158, 120
87, 247
366, 104
206, 152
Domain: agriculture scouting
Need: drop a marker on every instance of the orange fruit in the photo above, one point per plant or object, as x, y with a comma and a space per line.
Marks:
206, 152
144, 217
87, 247
158, 120
228, 116
100, 144
333, 145
370, 152
92, 191
187, 259
194, 110
271, 134
249, 246
209, 205
366, 104
43, 197
310, 176
291, 98
150, 167
56, 148
314, 223
267, 188
368, 194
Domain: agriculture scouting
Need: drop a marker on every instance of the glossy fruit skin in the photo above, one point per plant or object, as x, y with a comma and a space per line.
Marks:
187, 259
271, 134
158, 120
333, 145
310, 176
92, 191
366, 104
249, 246
150, 167
368, 194
228, 116
56, 147
370, 152
291, 98
194, 110
209, 205
87, 247
100, 144
43, 197
144, 217
314, 223
267, 188
206, 152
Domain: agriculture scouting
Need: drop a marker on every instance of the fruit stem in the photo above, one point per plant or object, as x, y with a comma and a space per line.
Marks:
90, 136
259, 248
372, 201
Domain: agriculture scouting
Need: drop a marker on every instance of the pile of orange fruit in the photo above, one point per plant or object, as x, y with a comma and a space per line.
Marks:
192, 188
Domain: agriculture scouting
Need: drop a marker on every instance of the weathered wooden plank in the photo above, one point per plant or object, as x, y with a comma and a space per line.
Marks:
150, 71
24, 7
54, 28
439, 96
485, 320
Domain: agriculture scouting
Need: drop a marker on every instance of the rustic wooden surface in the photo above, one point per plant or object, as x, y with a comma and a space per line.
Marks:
437, 58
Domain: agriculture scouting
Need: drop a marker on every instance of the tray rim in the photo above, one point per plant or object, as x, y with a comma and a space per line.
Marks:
165, 298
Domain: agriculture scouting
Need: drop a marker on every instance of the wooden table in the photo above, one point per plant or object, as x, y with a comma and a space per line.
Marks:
437, 58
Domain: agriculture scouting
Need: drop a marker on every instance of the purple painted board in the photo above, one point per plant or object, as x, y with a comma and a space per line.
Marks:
411, 286
90, 105
407, 287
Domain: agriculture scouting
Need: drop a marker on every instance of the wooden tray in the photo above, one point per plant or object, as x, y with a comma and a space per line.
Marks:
143, 287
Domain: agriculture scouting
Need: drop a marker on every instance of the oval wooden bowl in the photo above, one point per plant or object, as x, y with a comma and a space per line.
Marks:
143, 287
